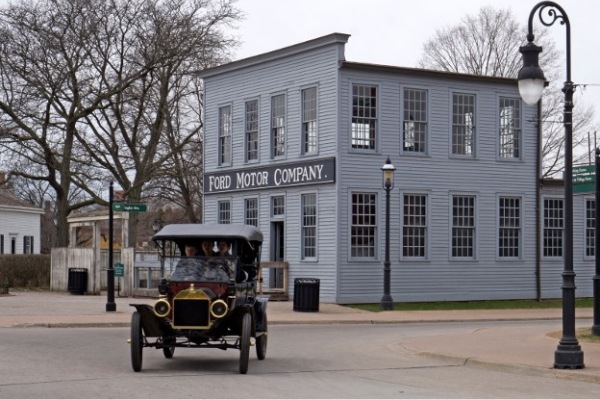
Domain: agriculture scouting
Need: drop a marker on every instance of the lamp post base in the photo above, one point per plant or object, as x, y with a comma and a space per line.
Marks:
111, 306
568, 356
387, 304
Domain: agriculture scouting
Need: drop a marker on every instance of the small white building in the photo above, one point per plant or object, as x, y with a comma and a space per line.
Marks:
20, 225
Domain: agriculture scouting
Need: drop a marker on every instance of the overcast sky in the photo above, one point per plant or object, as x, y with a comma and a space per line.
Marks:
392, 32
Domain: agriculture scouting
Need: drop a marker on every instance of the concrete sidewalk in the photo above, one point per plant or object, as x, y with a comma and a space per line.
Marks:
528, 350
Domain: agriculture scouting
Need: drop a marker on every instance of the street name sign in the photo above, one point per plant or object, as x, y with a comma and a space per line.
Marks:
129, 207
584, 178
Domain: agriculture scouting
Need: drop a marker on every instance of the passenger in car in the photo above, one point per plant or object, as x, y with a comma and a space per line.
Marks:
194, 268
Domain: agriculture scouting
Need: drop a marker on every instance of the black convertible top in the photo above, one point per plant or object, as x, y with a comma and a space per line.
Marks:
180, 232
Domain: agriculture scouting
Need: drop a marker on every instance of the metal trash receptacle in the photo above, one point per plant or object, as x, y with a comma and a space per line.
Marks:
77, 283
306, 294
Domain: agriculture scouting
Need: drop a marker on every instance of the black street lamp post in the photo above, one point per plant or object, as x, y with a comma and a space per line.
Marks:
388, 184
596, 325
531, 84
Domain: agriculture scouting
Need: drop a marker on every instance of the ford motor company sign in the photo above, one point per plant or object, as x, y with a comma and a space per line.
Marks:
300, 173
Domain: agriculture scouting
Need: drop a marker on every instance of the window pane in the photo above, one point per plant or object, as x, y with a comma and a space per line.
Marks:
509, 222
252, 130
463, 226
225, 135
510, 128
278, 125
364, 225
309, 120
309, 226
463, 123
364, 116
415, 121
553, 228
414, 230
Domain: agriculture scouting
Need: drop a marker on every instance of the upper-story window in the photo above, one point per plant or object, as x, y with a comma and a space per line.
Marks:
278, 125
364, 116
225, 135
252, 130
309, 120
510, 128
414, 130
463, 124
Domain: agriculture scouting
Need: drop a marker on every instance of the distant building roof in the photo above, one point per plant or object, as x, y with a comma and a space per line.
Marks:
8, 199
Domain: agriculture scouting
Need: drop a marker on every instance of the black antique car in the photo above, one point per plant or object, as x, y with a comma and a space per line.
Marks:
208, 298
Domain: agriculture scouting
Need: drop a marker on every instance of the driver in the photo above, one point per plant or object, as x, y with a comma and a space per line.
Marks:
195, 268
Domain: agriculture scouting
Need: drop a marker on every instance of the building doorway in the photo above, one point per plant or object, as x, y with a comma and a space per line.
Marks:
277, 253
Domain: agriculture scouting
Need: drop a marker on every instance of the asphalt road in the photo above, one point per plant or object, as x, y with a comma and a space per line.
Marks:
303, 361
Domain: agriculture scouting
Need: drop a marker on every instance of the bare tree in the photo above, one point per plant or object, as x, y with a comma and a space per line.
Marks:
488, 44
152, 128
87, 89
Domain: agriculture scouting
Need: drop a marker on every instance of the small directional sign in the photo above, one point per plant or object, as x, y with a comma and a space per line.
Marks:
119, 270
129, 207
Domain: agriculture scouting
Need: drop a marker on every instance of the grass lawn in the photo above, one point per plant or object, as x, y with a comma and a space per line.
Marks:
478, 305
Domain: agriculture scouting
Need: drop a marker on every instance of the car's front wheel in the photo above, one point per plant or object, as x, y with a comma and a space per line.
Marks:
137, 341
245, 342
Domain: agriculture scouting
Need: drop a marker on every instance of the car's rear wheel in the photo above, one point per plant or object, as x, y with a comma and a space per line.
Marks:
261, 342
136, 341
245, 342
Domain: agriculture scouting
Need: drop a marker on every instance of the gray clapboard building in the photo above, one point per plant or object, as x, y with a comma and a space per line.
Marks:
294, 143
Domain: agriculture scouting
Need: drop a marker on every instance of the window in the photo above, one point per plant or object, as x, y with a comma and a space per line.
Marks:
463, 124
415, 121
1, 244
590, 227
509, 227
278, 125
553, 228
463, 226
309, 120
309, 226
27, 244
224, 212
510, 128
364, 117
277, 206
225, 135
364, 225
251, 212
252, 130
414, 227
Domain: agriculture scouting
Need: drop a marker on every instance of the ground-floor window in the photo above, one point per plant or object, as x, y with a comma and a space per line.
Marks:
27, 244
414, 228
509, 227
463, 226
224, 212
364, 225
590, 227
553, 227
251, 211
309, 226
